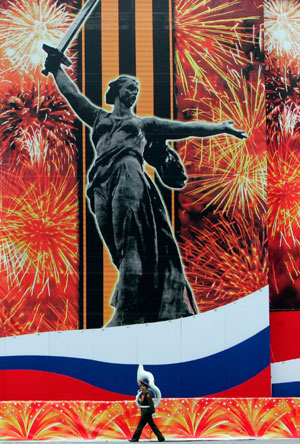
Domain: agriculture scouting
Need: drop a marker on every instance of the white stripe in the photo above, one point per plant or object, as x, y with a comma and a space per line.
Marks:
285, 371
165, 342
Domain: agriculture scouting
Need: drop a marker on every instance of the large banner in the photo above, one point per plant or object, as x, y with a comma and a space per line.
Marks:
134, 205
282, 99
282, 27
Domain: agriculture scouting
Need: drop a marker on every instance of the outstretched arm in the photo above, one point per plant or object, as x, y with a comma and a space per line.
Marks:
84, 109
174, 130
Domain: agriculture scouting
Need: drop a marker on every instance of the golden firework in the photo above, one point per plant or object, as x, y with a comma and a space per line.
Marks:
217, 257
282, 29
27, 421
237, 181
39, 234
208, 38
242, 102
51, 308
25, 26
284, 195
191, 418
92, 420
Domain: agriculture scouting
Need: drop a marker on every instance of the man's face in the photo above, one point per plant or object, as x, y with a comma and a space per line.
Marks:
143, 387
128, 92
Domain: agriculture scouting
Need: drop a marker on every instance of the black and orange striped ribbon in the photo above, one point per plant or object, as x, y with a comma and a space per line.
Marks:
122, 37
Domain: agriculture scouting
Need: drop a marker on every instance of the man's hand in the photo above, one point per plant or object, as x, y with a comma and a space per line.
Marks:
229, 129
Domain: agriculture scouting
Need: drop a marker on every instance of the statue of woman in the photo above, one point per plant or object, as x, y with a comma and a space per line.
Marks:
131, 217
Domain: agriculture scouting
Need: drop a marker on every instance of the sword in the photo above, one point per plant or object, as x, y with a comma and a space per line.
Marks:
70, 34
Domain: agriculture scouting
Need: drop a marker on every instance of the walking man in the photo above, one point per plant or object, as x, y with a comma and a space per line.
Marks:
147, 410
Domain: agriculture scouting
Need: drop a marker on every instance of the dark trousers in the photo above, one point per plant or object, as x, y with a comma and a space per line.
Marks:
147, 418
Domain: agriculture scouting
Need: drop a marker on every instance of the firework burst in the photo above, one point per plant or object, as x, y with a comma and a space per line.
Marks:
225, 172
282, 104
36, 146
122, 421
219, 255
210, 36
25, 26
35, 122
283, 222
237, 181
255, 417
288, 423
83, 420
282, 30
39, 232
243, 103
91, 420
51, 308
289, 122
284, 195
191, 418
27, 421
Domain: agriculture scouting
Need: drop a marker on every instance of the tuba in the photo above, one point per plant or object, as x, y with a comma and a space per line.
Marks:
141, 376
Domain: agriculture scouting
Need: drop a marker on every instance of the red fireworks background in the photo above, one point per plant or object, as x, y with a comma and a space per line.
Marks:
219, 61
39, 199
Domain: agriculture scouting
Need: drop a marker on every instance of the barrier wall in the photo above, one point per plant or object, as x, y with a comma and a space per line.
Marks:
101, 364
181, 419
201, 253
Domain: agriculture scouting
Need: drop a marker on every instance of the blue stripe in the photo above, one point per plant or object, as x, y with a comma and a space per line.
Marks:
201, 377
286, 389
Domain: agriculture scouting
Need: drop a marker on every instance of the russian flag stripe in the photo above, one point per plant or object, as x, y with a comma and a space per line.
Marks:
180, 340
211, 374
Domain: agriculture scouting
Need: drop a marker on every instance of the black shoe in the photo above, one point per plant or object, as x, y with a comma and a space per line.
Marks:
132, 440
162, 440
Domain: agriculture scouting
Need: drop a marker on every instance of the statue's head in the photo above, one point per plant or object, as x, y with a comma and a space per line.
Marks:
115, 86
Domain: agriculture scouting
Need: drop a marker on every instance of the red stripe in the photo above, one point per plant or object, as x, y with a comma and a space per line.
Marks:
258, 386
285, 334
32, 385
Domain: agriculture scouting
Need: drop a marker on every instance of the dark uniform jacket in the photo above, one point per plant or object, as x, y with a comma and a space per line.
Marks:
147, 401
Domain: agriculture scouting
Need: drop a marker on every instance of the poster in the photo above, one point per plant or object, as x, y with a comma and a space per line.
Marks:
195, 61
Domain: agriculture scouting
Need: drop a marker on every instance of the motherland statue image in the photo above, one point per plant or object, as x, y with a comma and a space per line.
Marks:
131, 217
